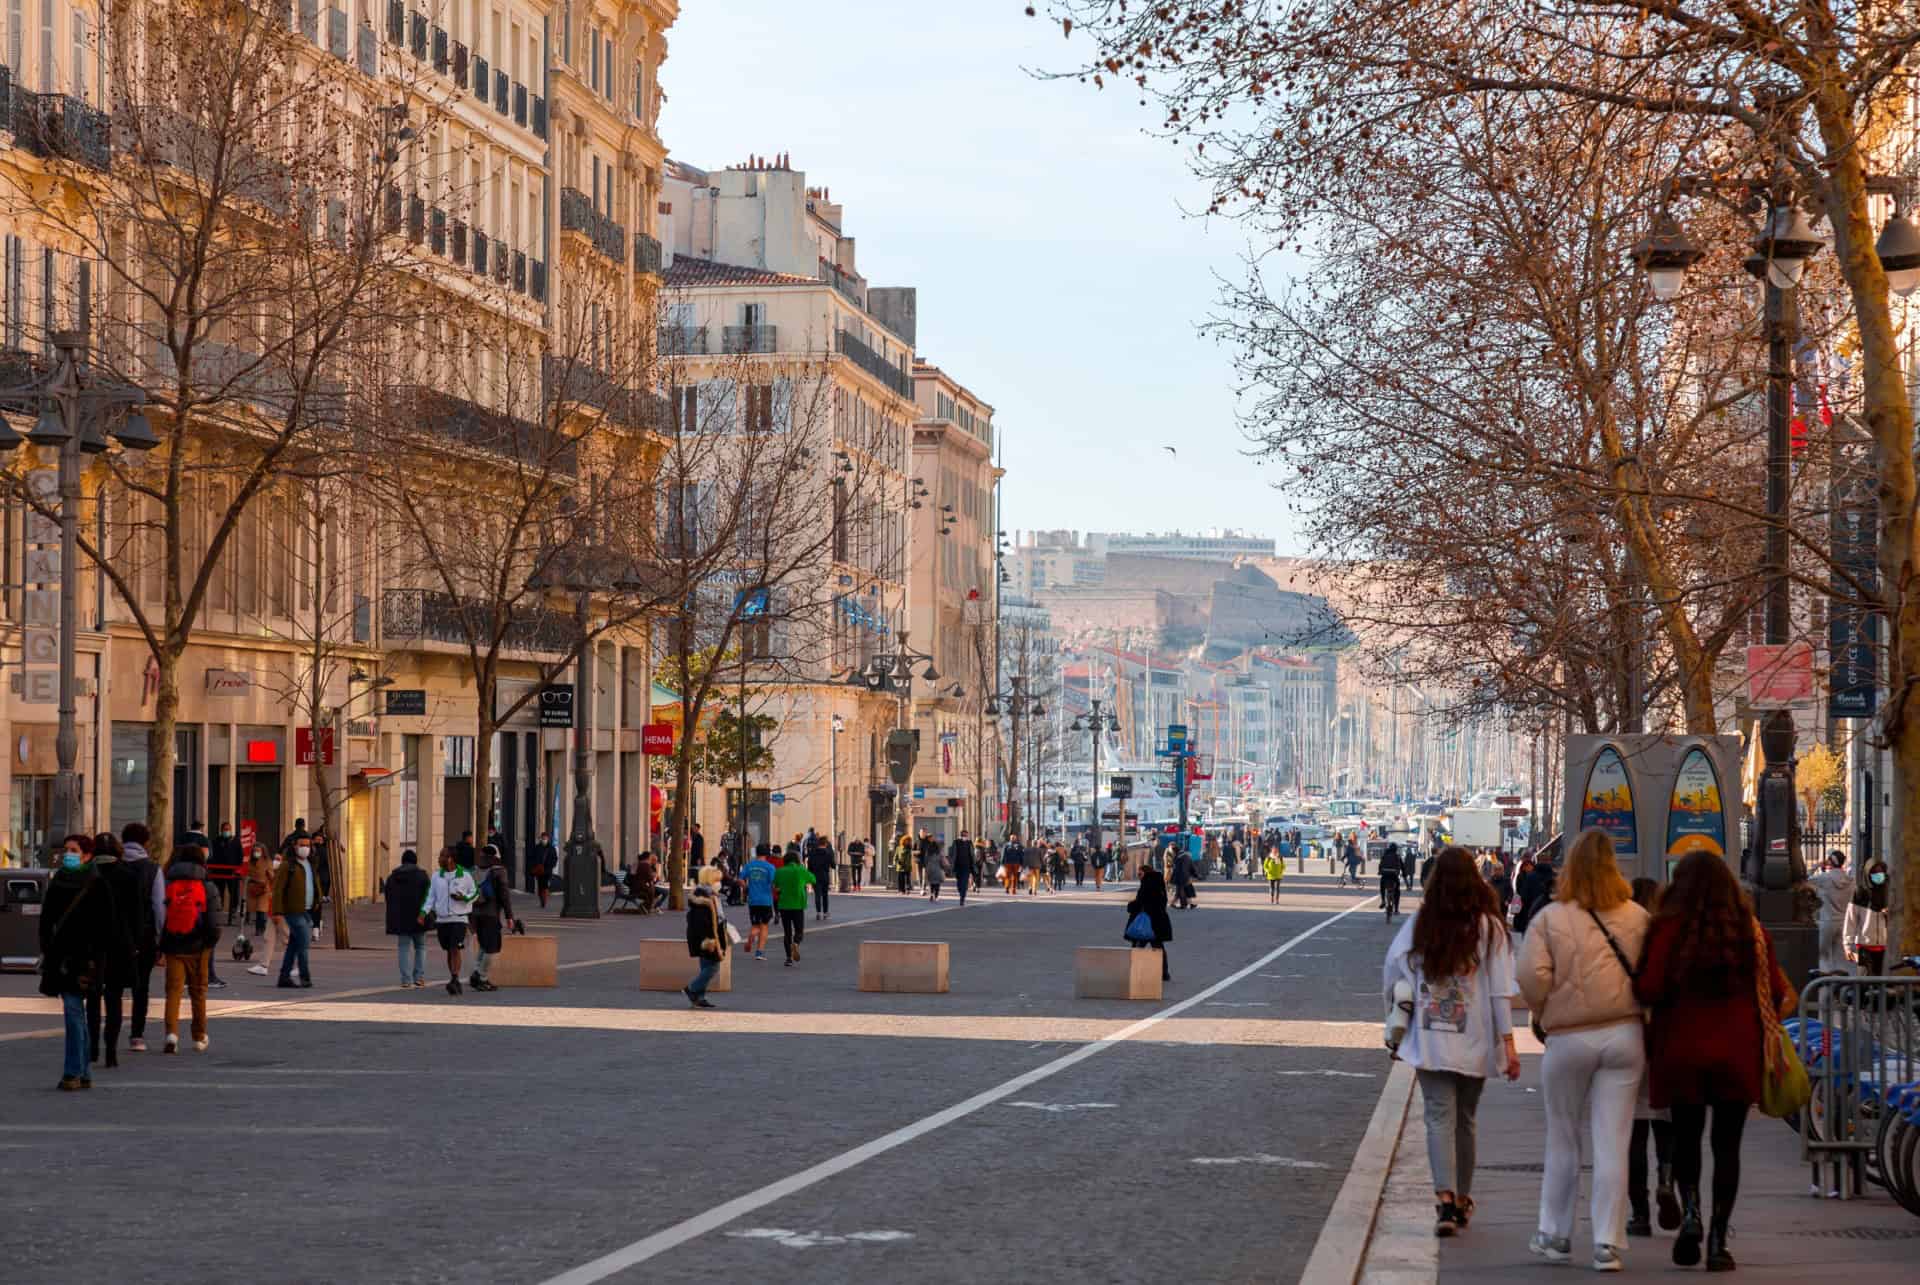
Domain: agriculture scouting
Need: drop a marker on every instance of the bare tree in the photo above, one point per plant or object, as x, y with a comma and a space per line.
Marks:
232, 266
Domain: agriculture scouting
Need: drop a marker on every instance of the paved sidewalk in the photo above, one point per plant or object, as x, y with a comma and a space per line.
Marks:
1780, 1231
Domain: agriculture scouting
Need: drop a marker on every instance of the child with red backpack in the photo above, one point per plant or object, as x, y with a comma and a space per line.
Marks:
188, 935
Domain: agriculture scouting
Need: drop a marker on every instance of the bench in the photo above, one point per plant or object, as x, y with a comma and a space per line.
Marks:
526, 961
915, 967
1116, 972
665, 965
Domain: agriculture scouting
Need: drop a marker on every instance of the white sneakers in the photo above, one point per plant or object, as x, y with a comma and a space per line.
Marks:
1555, 1249
1607, 1259
173, 1044
200, 1045
258, 970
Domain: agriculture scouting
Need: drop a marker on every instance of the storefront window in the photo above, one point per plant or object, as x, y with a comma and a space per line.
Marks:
127, 775
32, 813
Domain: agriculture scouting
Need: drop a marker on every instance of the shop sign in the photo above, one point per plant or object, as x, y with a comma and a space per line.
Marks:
228, 683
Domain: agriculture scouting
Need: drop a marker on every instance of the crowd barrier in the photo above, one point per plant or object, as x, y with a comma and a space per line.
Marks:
1860, 1040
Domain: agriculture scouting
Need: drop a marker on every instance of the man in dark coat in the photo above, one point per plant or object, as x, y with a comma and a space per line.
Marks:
464, 853
501, 845
226, 863
961, 855
406, 894
820, 864
492, 908
542, 861
77, 937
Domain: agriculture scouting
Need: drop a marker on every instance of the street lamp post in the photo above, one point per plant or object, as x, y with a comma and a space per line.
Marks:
1099, 722
1017, 706
72, 409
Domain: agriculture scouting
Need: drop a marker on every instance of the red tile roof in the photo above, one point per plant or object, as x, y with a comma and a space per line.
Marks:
688, 273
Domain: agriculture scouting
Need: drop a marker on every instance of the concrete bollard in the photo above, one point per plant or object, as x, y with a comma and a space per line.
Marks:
914, 967
1116, 972
526, 961
665, 965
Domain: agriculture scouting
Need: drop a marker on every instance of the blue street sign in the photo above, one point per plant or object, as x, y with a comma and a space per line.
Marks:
1176, 736
776, 797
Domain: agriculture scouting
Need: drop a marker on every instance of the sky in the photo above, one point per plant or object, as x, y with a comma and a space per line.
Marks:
1060, 277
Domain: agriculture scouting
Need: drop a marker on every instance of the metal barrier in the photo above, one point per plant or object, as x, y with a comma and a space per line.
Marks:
1860, 1040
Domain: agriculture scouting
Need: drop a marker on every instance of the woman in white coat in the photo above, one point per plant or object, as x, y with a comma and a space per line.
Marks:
1865, 931
1834, 886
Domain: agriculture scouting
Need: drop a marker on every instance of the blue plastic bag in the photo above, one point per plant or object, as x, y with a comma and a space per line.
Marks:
1140, 928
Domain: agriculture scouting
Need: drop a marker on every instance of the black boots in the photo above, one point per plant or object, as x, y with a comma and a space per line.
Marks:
1639, 1221
1686, 1246
1664, 1196
1718, 1259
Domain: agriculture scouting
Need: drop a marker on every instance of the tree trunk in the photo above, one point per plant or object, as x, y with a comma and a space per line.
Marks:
160, 753
336, 838
1890, 421
682, 811
482, 812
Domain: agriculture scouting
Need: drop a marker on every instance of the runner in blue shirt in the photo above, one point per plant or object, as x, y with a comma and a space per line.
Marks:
758, 874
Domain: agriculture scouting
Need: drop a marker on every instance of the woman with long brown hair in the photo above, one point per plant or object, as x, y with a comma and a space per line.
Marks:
1454, 964
1701, 977
1576, 970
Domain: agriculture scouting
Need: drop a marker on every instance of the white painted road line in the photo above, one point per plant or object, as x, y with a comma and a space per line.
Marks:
204, 1130
719, 1216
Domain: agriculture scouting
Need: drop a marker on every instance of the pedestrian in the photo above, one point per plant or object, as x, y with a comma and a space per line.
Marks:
1275, 869
1352, 872
642, 881
1033, 858
1079, 858
935, 867
857, 858
790, 898
1453, 964
1150, 899
450, 899
323, 871
1649, 1122
1013, 861
296, 899
116, 977
1394, 871
1102, 865
1535, 894
1834, 885
903, 863
1576, 970
227, 863
697, 846
406, 893
1057, 868
187, 938
1182, 876
492, 913
504, 847
1865, 932
196, 840
960, 856
820, 863
78, 937
758, 874
261, 870
706, 941
1707, 964
146, 933
542, 860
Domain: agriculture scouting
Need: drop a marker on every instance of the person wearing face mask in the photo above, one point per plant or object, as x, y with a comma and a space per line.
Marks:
260, 874
77, 942
1834, 885
296, 899
1865, 932
226, 863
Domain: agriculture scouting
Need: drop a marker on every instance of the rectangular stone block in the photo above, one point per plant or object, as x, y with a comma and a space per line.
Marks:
1116, 972
526, 961
914, 967
665, 965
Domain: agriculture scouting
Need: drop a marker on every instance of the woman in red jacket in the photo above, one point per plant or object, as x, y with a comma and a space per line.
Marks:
1704, 1038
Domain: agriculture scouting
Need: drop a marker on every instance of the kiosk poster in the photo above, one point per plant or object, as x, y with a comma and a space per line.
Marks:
1695, 822
1609, 802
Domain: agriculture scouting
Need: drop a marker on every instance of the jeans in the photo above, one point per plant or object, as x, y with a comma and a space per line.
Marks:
709, 969
1590, 1077
113, 999
188, 973
1729, 1122
299, 934
74, 1009
962, 877
1452, 1102
414, 944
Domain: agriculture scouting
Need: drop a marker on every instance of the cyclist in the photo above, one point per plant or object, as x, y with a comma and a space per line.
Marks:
1391, 870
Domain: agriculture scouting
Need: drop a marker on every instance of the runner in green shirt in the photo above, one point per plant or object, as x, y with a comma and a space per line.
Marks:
790, 884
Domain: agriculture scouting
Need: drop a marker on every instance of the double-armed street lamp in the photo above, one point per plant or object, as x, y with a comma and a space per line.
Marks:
1017, 704
1099, 722
1787, 240
75, 411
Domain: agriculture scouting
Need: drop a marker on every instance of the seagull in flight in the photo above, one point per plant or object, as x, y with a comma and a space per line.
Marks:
1169, 450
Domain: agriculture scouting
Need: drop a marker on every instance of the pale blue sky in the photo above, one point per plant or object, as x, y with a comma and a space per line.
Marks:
1059, 277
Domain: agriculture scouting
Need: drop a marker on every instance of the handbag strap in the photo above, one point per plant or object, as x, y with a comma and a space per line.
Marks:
1770, 1030
1621, 955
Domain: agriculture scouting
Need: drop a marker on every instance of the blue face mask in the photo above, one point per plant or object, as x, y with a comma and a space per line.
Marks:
1878, 876
70, 861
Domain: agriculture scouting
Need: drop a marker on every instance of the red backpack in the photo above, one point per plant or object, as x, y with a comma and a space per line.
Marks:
186, 906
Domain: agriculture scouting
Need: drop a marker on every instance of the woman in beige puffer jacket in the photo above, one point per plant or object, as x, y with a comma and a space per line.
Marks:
1576, 971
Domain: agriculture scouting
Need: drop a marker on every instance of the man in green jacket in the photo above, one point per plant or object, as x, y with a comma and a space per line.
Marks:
790, 885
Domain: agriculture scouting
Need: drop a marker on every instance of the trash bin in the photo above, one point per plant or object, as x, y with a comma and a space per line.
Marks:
21, 894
